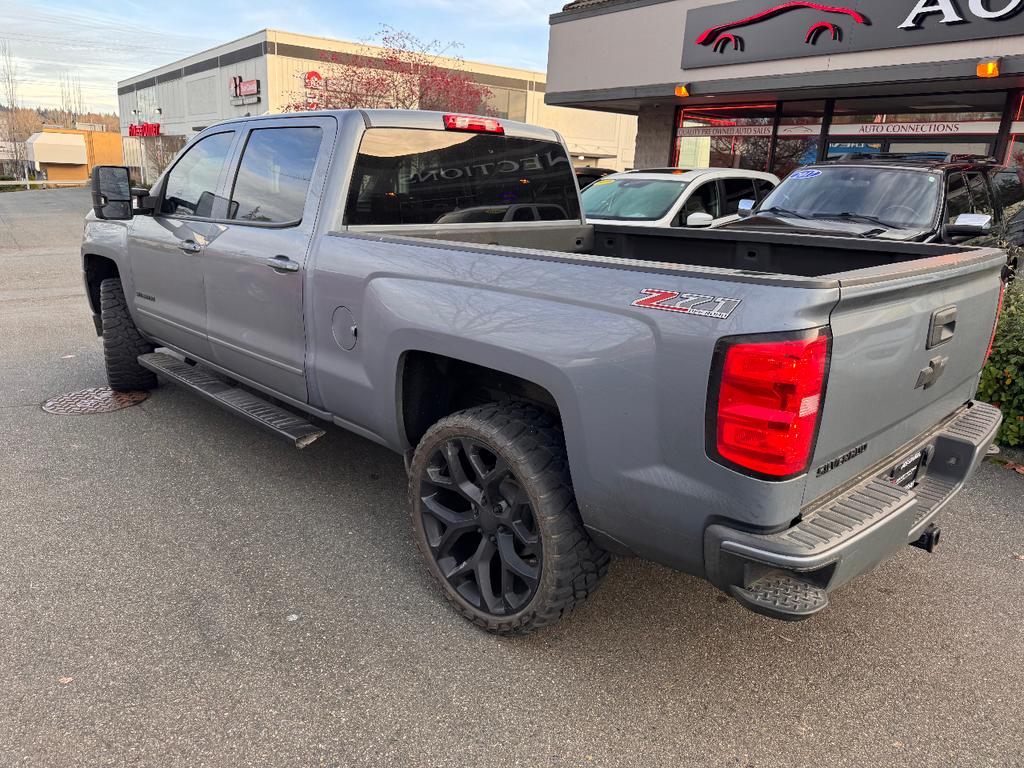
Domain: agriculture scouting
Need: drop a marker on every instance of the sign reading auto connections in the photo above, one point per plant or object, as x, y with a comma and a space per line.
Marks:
769, 30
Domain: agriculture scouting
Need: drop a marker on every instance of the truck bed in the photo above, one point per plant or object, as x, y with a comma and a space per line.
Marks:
741, 256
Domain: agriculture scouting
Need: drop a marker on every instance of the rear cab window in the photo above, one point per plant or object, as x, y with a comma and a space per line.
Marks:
416, 176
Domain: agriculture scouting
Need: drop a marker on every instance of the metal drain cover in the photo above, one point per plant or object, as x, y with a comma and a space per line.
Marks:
95, 400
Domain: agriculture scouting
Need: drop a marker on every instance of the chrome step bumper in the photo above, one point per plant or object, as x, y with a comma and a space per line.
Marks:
853, 532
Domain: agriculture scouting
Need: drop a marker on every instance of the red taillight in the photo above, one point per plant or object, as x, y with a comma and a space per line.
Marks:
472, 123
995, 325
769, 400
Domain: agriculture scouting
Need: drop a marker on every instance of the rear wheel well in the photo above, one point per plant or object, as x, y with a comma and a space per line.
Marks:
97, 269
434, 386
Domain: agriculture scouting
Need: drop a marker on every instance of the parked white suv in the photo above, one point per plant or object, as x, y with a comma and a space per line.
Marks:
674, 197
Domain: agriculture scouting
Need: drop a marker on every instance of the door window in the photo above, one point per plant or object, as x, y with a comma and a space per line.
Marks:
273, 176
734, 190
704, 199
764, 188
958, 199
980, 198
192, 184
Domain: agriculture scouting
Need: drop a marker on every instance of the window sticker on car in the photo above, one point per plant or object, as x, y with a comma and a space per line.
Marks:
810, 173
599, 182
719, 307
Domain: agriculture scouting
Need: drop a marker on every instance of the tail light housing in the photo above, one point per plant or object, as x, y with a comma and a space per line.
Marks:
764, 402
473, 123
995, 324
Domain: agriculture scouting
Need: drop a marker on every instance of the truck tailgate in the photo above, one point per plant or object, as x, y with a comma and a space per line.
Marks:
906, 353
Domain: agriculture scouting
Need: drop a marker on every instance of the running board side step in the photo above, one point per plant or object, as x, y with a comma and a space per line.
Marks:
238, 401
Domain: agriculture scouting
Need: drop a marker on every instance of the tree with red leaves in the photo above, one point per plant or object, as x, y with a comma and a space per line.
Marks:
399, 72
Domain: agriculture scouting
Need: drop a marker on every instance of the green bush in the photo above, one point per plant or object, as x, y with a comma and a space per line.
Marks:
1002, 381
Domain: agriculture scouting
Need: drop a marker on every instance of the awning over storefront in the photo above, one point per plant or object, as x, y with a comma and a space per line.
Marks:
57, 148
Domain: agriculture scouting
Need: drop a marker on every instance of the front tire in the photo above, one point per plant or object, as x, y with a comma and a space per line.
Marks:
122, 342
495, 517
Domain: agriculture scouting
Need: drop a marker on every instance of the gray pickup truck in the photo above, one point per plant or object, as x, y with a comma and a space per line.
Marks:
775, 413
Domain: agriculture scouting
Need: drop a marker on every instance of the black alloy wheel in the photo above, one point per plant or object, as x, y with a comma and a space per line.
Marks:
495, 517
480, 526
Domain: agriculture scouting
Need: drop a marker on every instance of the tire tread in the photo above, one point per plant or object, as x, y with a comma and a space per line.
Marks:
122, 342
574, 564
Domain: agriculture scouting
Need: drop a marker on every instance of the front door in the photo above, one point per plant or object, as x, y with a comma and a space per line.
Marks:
255, 263
167, 248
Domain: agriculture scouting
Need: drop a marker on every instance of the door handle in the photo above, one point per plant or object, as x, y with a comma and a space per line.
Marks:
282, 264
190, 246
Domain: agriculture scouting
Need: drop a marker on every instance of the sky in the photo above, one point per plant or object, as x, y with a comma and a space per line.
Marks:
102, 43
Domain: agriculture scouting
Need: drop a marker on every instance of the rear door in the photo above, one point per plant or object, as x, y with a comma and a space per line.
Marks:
907, 352
255, 266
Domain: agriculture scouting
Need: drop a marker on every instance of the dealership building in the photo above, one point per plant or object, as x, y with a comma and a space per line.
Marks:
270, 70
771, 84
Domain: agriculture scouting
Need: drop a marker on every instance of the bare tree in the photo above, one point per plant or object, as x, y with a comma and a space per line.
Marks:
9, 94
399, 72
72, 104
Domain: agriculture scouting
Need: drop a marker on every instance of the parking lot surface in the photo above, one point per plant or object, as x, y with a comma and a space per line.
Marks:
181, 589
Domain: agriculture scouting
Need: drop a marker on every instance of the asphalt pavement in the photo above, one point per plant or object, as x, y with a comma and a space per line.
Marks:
178, 588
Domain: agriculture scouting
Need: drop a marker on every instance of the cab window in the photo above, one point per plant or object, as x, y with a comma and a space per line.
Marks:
704, 199
981, 200
191, 185
734, 190
958, 198
413, 176
273, 176
764, 188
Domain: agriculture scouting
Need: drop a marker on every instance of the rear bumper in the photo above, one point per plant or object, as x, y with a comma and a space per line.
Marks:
789, 574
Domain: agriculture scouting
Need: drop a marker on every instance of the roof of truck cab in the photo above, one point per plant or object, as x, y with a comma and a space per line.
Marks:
402, 118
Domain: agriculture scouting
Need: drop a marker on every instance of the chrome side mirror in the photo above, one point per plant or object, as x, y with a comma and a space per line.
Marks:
969, 225
746, 208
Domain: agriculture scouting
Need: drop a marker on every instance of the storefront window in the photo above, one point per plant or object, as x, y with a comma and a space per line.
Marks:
724, 137
799, 136
966, 123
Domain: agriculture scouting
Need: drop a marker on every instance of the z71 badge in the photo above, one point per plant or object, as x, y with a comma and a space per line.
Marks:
719, 307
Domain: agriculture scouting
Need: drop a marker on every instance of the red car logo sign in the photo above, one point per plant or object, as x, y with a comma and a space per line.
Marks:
720, 37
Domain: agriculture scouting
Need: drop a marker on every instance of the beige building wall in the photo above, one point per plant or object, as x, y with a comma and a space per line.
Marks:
603, 139
194, 101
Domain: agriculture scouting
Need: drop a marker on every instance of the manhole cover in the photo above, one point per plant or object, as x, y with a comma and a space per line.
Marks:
95, 400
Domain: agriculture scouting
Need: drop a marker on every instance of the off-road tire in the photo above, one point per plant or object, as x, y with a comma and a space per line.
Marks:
122, 343
531, 441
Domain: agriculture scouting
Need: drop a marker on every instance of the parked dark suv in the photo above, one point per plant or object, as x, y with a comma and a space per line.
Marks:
921, 197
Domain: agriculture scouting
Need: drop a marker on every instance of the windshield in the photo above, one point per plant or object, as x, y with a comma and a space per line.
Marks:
892, 198
640, 199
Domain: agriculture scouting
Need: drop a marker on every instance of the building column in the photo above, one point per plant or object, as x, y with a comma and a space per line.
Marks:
655, 125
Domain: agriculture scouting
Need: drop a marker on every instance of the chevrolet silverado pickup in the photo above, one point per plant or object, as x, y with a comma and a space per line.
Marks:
775, 413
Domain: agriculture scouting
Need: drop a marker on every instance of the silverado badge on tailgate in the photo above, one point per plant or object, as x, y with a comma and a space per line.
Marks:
719, 307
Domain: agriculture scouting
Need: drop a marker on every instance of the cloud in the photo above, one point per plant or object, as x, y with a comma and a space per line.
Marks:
102, 47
